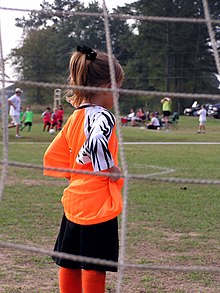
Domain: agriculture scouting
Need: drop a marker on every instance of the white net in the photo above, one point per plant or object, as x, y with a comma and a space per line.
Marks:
122, 265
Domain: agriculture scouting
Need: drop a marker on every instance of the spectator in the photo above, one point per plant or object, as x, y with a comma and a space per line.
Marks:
159, 119
140, 117
130, 115
125, 120
202, 119
166, 110
154, 124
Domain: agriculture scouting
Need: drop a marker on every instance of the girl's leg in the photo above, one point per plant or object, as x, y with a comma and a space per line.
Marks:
22, 127
93, 281
70, 280
48, 126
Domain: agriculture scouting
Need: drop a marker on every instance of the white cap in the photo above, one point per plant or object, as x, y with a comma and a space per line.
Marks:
18, 90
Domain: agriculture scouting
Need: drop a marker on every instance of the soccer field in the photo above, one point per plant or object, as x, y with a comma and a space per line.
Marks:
171, 224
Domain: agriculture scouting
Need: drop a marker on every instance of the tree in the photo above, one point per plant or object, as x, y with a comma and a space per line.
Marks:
49, 39
169, 56
156, 56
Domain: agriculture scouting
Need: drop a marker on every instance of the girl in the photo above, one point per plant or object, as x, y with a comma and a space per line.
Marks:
54, 119
60, 113
91, 203
46, 115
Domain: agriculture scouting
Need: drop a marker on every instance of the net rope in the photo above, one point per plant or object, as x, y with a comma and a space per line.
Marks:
128, 177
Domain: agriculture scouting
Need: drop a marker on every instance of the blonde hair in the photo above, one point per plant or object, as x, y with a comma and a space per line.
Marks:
95, 73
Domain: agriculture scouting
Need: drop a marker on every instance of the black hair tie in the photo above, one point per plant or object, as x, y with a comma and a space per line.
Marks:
90, 54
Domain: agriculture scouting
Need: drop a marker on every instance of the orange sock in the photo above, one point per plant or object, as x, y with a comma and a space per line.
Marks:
70, 280
93, 281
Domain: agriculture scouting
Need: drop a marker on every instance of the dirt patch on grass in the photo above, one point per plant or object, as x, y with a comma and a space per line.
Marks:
35, 273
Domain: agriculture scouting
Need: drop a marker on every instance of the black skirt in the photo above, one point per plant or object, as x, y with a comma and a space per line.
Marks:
96, 241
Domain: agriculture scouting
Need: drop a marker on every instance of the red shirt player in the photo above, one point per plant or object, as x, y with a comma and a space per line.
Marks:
54, 119
47, 118
60, 113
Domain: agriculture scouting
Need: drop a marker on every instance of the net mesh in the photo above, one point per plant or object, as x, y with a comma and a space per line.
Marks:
122, 265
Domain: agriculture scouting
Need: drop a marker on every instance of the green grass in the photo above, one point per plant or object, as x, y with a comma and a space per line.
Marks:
168, 223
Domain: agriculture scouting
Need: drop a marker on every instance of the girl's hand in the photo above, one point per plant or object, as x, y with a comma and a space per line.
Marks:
117, 173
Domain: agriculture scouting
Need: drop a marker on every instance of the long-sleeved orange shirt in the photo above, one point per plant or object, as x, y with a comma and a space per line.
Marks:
87, 142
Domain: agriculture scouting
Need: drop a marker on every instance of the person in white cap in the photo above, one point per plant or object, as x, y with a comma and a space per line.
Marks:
15, 105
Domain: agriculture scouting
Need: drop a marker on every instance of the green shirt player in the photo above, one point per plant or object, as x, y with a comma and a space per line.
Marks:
27, 118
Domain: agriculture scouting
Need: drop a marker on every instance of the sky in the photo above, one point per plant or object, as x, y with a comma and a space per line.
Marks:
11, 35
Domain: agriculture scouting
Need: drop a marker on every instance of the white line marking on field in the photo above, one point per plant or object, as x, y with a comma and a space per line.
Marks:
170, 143
164, 170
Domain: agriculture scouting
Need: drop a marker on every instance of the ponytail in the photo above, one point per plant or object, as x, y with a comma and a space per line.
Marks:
93, 73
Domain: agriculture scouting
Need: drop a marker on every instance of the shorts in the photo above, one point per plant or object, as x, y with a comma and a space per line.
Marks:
166, 113
28, 123
96, 241
153, 126
16, 120
202, 123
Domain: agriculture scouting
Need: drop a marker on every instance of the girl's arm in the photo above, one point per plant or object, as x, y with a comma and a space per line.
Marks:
57, 156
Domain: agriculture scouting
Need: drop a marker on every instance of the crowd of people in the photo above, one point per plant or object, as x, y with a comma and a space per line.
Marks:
151, 120
53, 120
21, 119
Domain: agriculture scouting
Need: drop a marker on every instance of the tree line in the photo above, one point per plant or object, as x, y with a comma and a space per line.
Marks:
156, 56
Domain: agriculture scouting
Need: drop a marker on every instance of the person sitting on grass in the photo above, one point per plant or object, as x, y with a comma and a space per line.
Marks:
154, 123
159, 119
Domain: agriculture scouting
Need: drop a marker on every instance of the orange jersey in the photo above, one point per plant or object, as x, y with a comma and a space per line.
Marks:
87, 142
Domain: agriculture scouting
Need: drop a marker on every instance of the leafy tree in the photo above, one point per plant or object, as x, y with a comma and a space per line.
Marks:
169, 56
50, 38
156, 56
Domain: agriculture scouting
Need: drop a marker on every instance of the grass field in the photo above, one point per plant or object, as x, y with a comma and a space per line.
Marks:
168, 223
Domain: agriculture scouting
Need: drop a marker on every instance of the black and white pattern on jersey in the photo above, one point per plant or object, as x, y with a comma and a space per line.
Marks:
99, 123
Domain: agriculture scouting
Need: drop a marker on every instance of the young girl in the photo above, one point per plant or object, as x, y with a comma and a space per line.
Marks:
27, 118
60, 113
54, 119
47, 119
91, 203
